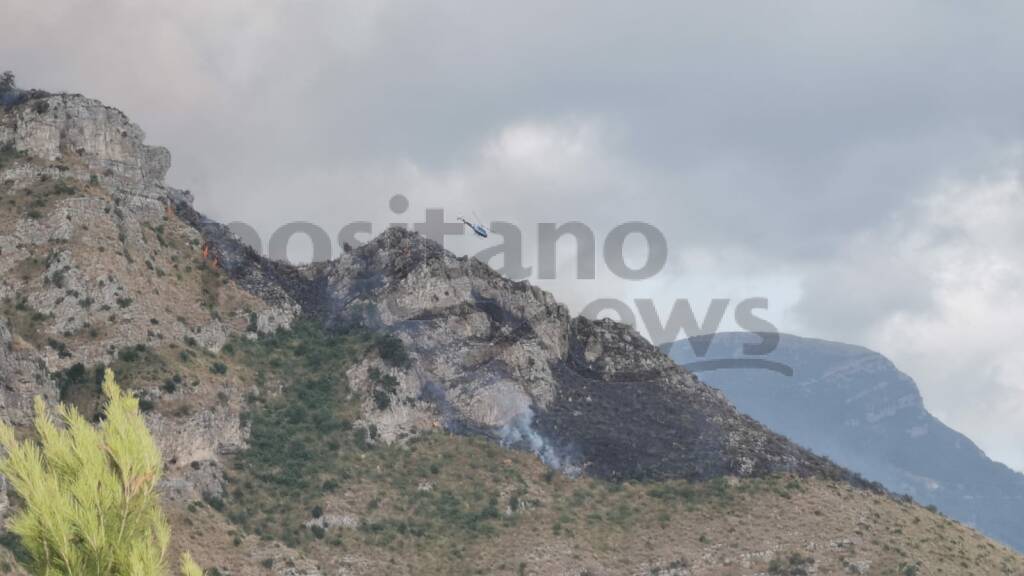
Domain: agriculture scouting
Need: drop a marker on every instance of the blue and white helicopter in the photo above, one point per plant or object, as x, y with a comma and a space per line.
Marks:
478, 229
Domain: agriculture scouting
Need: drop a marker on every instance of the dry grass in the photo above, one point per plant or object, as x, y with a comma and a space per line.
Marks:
446, 504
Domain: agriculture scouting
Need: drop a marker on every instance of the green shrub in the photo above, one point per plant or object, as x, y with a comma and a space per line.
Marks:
793, 564
131, 353
385, 386
392, 351
63, 188
213, 501
92, 507
60, 347
74, 378
7, 82
8, 154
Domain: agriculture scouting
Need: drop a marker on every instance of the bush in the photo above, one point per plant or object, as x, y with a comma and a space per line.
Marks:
70, 379
63, 187
381, 400
132, 353
60, 347
392, 351
7, 154
385, 386
215, 502
794, 564
91, 504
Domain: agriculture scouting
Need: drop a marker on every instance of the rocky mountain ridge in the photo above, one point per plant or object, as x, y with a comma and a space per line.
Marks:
404, 370
504, 359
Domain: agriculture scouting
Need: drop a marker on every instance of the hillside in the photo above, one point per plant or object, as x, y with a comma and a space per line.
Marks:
399, 410
854, 406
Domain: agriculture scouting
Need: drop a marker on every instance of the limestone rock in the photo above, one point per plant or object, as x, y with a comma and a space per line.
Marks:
91, 138
23, 376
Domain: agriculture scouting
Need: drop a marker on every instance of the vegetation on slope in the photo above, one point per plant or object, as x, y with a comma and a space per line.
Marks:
315, 478
90, 500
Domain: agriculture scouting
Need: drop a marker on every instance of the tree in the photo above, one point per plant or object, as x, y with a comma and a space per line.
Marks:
7, 81
90, 501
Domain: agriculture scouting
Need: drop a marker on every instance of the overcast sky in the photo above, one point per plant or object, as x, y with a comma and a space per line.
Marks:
858, 166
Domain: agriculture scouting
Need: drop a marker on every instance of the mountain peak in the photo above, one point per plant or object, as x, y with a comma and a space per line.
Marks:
90, 139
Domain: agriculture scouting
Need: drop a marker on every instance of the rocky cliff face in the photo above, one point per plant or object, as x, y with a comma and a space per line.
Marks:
91, 139
95, 266
504, 359
23, 376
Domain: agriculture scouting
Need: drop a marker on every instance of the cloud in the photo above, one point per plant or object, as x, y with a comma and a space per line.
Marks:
939, 290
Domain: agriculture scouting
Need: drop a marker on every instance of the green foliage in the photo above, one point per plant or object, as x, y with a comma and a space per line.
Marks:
793, 564
384, 387
7, 82
8, 153
64, 188
60, 347
293, 436
91, 506
132, 353
392, 351
75, 378
906, 569
304, 445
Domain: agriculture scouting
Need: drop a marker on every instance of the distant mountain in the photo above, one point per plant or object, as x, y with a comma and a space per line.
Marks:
854, 406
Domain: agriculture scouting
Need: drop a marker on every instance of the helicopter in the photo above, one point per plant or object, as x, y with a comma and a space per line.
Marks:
477, 229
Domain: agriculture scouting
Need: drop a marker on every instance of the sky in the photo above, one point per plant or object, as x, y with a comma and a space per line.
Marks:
858, 165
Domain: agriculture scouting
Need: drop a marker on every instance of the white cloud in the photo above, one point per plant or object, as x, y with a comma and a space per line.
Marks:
939, 290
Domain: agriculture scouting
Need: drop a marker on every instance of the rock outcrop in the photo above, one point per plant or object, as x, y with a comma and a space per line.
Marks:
89, 138
503, 359
23, 376
95, 264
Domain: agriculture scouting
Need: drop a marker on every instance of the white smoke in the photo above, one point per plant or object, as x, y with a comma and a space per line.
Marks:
507, 403
519, 433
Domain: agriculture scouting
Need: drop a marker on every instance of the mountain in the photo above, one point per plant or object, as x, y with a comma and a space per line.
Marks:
854, 406
398, 410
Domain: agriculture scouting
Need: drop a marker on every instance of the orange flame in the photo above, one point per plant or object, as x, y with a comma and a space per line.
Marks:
210, 258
